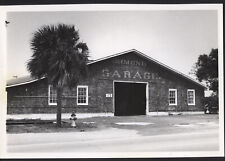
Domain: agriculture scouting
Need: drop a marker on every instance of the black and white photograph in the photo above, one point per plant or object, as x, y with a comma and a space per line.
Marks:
113, 81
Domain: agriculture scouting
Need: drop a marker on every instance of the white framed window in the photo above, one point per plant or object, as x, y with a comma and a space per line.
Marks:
82, 95
172, 96
52, 95
191, 97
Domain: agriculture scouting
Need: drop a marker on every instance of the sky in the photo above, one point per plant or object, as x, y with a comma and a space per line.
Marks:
175, 38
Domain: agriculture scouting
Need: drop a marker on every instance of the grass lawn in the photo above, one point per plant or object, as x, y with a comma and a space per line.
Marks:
153, 124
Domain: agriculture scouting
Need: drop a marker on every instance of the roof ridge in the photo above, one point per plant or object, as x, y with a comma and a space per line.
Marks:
150, 58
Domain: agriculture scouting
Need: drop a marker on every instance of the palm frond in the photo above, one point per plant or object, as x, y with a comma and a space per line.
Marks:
58, 55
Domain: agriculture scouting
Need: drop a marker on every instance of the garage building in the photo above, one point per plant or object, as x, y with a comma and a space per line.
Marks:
126, 83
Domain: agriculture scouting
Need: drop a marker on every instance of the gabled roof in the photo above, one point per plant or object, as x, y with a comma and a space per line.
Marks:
29, 79
21, 81
151, 59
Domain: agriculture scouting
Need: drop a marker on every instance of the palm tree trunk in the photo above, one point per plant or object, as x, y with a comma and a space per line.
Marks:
59, 106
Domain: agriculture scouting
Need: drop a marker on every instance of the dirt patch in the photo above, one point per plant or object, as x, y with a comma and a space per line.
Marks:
50, 127
27, 121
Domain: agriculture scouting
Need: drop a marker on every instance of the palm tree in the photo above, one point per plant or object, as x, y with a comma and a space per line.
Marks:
59, 56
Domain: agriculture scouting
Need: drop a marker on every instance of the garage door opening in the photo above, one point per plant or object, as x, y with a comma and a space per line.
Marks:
130, 98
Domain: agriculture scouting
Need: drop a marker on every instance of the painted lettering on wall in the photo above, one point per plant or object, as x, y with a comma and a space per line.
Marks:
129, 62
129, 75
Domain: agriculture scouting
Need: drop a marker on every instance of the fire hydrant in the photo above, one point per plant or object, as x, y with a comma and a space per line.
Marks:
207, 108
73, 118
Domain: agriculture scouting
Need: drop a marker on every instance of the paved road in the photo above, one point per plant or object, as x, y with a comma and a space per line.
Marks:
114, 140
120, 135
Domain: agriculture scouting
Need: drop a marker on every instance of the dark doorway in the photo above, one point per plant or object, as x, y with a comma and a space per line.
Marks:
130, 99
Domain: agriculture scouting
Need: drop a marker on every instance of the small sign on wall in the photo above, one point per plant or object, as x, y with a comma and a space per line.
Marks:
108, 95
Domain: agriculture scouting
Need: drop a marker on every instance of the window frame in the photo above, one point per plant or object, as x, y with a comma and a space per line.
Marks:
172, 104
86, 87
191, 90
49, 96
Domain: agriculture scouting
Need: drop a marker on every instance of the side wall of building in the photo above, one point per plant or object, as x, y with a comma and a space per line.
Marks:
28, 98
